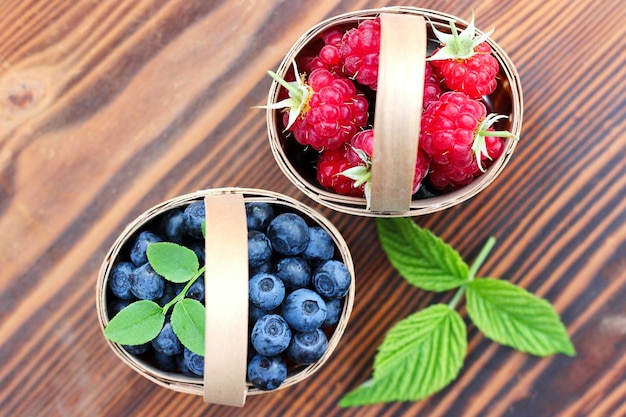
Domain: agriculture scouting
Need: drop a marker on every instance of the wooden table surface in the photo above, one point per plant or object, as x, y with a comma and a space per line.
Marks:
110, 107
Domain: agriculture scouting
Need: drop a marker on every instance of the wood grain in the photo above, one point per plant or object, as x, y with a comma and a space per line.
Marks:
110, 107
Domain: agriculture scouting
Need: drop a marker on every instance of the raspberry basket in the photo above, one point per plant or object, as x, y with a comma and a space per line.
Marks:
394, 200
227, 300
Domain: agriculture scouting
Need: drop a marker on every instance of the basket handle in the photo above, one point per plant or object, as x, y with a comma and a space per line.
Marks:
398, 110
226, 300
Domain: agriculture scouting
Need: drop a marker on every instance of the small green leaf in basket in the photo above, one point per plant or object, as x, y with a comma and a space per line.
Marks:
419, 356
422, 258
514, 317
173, 262
138, 323
188, 323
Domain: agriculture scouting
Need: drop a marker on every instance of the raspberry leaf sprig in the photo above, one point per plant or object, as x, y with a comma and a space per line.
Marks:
479, 146
432, 343
458, 45
299, 94
141, 321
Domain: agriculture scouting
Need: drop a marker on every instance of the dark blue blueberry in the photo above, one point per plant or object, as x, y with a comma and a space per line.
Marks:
259, 248
266, 291
172, 226
116, 305
304, 310
165, 362
266, 266
288, 233
321, 246
119, 280
146, 284
259, 215
196, 291
193, 362
138, 250
307, 347
193, 217
270, 335
294, 271
255, 313
334, 308
167, 342
332, 279
182, 366
170, 291
267, 373
138, 349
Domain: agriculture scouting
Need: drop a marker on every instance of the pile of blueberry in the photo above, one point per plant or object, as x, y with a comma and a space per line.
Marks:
297, 289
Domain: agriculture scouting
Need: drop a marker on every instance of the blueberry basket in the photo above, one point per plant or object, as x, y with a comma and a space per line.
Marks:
395, 116
226, 294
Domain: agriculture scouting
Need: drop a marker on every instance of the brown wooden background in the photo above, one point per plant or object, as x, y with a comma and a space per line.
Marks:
109, 107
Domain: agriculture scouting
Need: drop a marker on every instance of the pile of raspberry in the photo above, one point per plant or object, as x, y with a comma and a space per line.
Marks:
331, 106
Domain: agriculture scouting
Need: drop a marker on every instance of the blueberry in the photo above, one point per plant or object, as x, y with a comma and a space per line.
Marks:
170, 291
304, 310
259, 248
266, 291
119, 280
334, 308
165, 362
331, 279
266, 373
196, 290
138, 349
167, 342
294, 271
288, 233
197, 246
307, 347
116, 305
255, 313
266, 266
193, 362
270, 335
146, 284
138, 250
172, 226
193, 217
321, 246
259, 215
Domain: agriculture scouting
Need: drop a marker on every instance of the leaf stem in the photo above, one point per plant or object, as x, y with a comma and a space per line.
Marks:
457, 296
480, 259
182, 294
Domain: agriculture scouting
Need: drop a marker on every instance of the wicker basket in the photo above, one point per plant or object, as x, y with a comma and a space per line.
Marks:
231, 388
299, 166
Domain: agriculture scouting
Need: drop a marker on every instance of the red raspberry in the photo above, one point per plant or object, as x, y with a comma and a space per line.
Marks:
364, 141
464, 61
330, 164
325, 112
360, 50
432, 88
455, 131
328, 57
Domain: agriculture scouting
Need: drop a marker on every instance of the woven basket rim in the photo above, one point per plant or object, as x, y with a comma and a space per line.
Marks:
190, 385
356, 205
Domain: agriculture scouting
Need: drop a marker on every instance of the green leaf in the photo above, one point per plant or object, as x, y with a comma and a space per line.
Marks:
188, 324
138, 323
514, 317
419, 356
422, 258
173, 262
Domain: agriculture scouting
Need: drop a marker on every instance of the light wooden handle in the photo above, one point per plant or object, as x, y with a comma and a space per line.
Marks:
226, 300
398, 110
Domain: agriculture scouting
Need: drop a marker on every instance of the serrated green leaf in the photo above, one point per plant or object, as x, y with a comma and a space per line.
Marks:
419, 356
422, 258
514, 317
188, 324
173, 262
138, 323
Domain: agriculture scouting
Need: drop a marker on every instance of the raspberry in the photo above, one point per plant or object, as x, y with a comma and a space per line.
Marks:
330, 164
432, 88
360, 49
328, 57
325, 112
464, 61
364, 141
456, 132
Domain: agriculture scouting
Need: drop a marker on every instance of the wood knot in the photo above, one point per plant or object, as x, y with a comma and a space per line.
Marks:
20, 94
